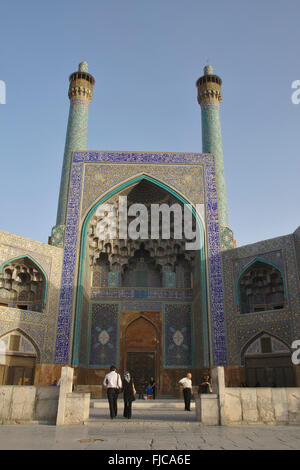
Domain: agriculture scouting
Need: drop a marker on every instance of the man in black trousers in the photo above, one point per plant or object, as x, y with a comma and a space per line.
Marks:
186, 382
113, 383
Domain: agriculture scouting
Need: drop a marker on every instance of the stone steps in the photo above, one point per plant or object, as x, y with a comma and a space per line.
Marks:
159, 405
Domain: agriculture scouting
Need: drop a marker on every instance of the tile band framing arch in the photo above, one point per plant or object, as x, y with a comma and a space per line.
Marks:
71, 249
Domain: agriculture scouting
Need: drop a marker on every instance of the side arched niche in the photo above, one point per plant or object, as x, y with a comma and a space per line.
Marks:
22, 285
267, 360
18, 358
260, 288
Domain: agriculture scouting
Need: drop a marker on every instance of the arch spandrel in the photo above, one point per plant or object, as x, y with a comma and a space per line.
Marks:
100, 180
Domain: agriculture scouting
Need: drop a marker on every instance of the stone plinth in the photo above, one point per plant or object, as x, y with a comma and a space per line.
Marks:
207, 409
73, 408
24, 404
77, 408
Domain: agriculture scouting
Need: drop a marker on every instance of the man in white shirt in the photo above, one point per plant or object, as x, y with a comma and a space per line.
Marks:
113, 383
186, 382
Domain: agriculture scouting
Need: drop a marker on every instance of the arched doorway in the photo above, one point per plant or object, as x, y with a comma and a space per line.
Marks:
268, 363
141, 352
18, 357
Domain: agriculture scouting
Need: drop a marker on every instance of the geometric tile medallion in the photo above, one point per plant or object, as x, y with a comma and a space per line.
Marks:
104, 325
178, 335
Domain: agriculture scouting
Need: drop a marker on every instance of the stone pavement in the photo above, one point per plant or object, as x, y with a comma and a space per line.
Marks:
148, 430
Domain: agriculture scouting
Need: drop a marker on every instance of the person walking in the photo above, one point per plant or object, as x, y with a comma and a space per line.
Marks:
186, 383
128, 394
113, 384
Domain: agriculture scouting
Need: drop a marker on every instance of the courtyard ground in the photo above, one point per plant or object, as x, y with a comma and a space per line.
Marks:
148, 430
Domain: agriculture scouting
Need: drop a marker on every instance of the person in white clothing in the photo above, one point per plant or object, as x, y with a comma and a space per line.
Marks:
186, 383
113, 383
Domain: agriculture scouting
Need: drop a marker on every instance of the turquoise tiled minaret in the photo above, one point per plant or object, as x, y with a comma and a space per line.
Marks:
80, 95
209, 98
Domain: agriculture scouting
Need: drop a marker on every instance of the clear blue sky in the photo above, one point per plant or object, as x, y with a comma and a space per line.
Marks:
146, 57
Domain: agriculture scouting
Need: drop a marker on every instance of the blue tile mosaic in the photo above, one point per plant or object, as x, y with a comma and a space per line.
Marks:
178, 347
69, 276
104, 334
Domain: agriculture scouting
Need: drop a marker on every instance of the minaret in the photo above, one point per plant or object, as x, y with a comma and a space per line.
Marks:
80, 95
209, 98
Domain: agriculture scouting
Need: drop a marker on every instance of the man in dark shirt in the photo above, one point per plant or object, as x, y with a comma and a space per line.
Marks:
205, 386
